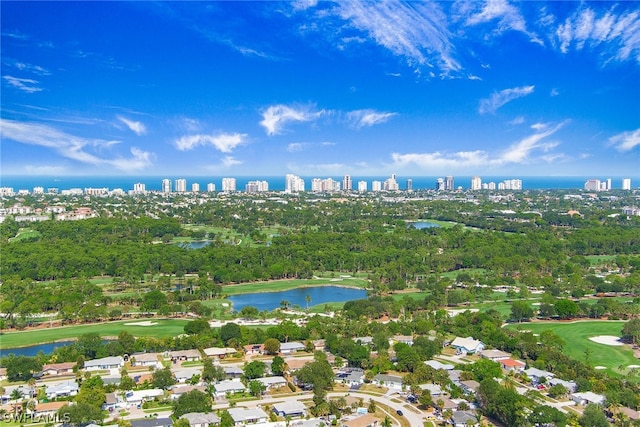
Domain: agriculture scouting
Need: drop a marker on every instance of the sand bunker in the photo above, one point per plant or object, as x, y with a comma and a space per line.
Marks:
600, 368
143, 323
607, 340
633, 366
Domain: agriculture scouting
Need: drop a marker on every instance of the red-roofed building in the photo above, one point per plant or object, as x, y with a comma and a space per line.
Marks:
511, 365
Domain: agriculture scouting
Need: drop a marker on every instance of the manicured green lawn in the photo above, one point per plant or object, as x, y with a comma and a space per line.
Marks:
25, 233
283, 285
576, 336
164, 328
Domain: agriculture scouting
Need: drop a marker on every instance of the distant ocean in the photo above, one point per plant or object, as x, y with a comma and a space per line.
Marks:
277, 183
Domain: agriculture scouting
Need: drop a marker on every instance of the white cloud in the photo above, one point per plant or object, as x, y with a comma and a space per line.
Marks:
136, 127
44, 170
71, 146
229, 161
521, 151
616, 33
517, 121
276, 116
626, 141
25, 85
498, 99
508, 16
362, 118
416, 31
35, 69
222, 142
439, 160
301, 146
554, 92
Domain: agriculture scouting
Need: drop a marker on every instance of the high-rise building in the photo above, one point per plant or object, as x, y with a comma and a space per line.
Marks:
347, 185
449, 185
626, 183
211, 187
181, 185
256, 186
362, 186
139, 188
409, 184
195, 187
228, 184
38, 190
608, 184
376, 186
166, 186
390, 184
592, 185
440, 185
293, 184
327, 184
476, 183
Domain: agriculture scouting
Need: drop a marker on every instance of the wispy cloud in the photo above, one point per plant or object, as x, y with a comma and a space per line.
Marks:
301, 146
25, 85
616, 32
626, 141
44, 170
135, 126
521, 151
506, 16
229, 161
440, 160
224, 142
276, 116
73, 147
362, 118
415, 31
23, 66
498, 99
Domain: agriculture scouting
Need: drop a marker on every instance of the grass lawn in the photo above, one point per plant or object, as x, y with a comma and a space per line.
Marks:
600, 259
576, 336
25, 233
164, 328
283, 285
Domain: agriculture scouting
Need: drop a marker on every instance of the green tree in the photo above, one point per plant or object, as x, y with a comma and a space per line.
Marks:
193, 401
593, 416
277, 366
21, 368
521, 311
256, 388
153, 300
162, 378
631, 331
271, 346
230, 331
226, 420
319, 375
197, 327
92, 392
254, 369
81, 413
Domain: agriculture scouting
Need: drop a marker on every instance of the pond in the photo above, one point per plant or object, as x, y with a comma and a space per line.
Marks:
33, 350
423, 224
318, 294
195, 245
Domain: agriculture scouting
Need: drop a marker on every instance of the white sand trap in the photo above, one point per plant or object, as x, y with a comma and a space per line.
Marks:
633, 366
600, 368
607, 340
143, 323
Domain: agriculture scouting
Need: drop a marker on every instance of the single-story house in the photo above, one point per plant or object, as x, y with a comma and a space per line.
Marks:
632, 414
3, 374
536, 374
152, 422
252, 349
365, 420
219, 352
454, 375
439, 365
586, 397
470, 386
47, 409
63, 389
404, 339
512, 365
242, 416
272, 382
104, 364
186, 355
350, 376
291, 347
295, 363
364, 340
464, 419
467, 345
58, 368
185, 374
232, 372
495, 355
319, 345
178, 391
569, 385
111, 402
291, 408
434, 389
228, 386
136, 397
146, 359
200, 419
390, 381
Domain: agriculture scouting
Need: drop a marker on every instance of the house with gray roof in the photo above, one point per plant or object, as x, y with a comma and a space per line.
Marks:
200, 419
467, 345
104, 364
62, 389
291, 408
389, 381
291, 347
242, 416
228, 386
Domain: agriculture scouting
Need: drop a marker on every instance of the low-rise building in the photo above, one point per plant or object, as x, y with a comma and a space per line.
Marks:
244, 416
152, 422
104, 364
219, 352
467, 345
586, 397
290, 408
137, 397
389, 381
228, 386
55, 369
146, 359
63, 389
200, 419
511, 365
185, 355
272, 382
291, 347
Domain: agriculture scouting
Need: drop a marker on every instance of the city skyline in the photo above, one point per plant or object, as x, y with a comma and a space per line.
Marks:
320, 88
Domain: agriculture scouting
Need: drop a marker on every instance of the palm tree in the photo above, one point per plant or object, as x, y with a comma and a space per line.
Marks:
308, 300
386, 422
284, 304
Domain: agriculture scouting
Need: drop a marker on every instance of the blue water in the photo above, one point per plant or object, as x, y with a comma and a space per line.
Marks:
33, 350
194, 245
277, 183
423, 224
319, 295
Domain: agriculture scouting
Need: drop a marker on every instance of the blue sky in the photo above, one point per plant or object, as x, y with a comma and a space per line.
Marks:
321, 88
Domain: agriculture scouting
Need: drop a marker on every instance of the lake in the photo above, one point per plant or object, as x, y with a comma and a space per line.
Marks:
33, 350
423, 224
319, 295
194, 245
